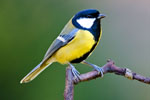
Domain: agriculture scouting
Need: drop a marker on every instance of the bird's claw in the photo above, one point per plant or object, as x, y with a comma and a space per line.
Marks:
75, 73
99, 69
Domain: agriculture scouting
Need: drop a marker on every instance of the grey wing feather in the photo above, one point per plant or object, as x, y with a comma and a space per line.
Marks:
58, 43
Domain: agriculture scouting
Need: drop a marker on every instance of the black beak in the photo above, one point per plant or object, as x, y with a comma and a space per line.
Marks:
101, 16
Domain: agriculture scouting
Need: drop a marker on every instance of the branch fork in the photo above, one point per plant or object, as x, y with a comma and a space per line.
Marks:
109, 67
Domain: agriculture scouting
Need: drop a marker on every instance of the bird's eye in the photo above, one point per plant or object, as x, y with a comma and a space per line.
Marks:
89, 16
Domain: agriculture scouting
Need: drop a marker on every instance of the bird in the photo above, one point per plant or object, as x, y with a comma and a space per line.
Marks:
74, 44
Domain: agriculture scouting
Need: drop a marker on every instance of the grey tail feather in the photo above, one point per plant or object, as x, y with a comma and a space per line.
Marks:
34, 72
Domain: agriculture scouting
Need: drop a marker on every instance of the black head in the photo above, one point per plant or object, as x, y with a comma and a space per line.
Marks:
85, 19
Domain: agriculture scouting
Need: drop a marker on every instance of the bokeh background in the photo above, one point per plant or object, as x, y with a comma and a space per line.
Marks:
28, 27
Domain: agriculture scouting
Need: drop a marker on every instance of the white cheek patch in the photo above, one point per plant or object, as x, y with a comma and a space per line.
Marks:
86, 22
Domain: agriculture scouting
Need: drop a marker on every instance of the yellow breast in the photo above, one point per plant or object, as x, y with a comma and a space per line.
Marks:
80, 45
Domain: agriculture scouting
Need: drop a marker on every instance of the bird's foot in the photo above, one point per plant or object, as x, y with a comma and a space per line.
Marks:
75, 73
97, 68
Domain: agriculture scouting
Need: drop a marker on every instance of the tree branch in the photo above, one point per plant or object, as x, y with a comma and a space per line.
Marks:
109, 67
69, 87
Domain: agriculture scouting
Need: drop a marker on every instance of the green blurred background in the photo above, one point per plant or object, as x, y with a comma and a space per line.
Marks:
28, 27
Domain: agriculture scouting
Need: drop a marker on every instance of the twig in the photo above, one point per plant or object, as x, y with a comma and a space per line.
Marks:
109, 67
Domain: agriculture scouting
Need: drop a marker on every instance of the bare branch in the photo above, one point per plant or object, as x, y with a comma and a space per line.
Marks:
109, 67
69, 87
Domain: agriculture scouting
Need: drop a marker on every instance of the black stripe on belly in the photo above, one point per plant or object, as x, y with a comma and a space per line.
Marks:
78, 60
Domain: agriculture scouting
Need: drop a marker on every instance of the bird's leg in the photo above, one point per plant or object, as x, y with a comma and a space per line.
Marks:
97, 68
75, 73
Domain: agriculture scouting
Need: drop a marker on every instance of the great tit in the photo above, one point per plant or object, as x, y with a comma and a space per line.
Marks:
74, 44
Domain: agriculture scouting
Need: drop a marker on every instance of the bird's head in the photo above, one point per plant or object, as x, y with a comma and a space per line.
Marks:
85, 19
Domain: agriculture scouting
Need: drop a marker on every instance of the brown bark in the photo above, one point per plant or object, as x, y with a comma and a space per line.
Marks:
109, 67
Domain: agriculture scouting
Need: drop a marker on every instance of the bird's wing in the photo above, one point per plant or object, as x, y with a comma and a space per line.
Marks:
60, 41
67, 34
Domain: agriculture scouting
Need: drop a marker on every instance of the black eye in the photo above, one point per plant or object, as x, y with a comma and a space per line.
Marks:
89, 16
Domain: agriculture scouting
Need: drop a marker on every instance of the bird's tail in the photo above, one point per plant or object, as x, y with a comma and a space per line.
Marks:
35, 72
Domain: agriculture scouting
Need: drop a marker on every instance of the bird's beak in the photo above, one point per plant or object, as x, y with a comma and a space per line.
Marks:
101, 16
